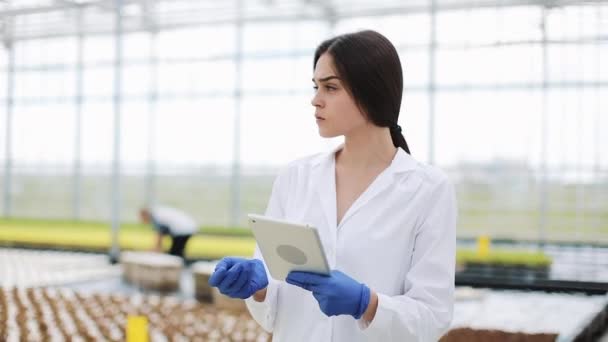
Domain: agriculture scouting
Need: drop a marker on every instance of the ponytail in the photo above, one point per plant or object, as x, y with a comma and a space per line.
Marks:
398, 138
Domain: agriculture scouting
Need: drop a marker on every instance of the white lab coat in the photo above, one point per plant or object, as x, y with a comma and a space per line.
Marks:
398, 238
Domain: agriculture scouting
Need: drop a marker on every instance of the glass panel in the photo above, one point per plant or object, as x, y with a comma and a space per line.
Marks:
580, 62
415, 65
200, 77
401, 30
43, 134
136, 80
218, 40
98, 49
270, 74
279, 129
97, 133
501, 65
414, 122
196, 132
136, 46
98, 82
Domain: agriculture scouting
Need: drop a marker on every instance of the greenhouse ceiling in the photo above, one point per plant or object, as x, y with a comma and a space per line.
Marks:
35, 19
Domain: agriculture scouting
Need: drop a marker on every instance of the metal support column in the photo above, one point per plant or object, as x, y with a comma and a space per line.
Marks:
542, 224
580, 197
150, 185
116, 194
77, 171
432, 85
8, 153
238, 89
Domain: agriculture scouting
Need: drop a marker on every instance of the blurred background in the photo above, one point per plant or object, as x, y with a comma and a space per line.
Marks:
109, 105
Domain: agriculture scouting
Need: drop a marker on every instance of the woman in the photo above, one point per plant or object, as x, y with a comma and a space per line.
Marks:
387, 222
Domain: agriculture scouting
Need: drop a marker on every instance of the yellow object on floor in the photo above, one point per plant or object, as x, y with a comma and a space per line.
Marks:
137, 329
483, 245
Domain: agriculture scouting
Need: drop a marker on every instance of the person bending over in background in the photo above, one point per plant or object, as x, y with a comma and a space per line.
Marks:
170, 221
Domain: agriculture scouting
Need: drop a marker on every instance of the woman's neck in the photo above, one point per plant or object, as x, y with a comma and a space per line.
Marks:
367, 147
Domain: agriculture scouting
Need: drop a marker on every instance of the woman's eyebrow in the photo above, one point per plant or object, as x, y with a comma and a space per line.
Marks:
325, 79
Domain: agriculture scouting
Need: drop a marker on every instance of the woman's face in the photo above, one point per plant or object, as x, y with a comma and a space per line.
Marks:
335, 110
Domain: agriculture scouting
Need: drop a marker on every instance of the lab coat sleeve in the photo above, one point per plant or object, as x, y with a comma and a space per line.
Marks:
424, 312
265, 312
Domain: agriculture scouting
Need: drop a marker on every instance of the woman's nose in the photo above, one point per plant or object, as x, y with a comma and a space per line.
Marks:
316, 101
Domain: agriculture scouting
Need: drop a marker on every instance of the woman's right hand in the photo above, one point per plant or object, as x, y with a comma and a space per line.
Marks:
239, 277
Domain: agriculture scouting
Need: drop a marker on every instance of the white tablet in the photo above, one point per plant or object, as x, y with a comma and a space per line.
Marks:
288, 246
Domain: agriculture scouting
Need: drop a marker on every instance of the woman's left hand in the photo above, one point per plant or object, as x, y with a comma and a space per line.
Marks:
337, 293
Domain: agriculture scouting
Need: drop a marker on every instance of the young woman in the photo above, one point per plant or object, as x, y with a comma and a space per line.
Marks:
386, 221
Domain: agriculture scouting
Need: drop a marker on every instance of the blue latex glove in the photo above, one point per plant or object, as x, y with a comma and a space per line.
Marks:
337, 294
238, 277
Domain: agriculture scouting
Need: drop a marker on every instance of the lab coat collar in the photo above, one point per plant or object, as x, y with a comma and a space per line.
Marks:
325, 178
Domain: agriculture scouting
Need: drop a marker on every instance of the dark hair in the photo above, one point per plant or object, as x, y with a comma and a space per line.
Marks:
369, 65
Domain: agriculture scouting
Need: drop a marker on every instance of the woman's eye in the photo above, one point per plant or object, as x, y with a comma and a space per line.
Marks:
328, 88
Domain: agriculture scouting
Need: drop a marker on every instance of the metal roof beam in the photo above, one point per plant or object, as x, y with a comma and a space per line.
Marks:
151, 20
59, 5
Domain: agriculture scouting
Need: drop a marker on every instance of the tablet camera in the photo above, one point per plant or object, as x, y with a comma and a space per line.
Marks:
292, 254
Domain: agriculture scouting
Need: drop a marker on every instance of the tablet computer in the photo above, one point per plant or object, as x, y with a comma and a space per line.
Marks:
288, 246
